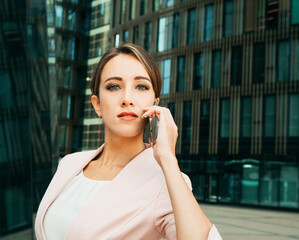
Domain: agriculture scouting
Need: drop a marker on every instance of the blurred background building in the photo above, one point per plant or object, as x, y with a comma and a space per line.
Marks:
230, 78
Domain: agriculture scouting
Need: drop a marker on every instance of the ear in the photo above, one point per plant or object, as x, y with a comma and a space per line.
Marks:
96, 105
157, 100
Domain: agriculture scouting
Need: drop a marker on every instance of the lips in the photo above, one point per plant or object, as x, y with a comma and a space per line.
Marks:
127, 116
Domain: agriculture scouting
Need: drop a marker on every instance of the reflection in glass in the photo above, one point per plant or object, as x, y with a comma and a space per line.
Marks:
250, 183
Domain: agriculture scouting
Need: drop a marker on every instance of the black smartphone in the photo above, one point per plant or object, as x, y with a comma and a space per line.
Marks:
153, 122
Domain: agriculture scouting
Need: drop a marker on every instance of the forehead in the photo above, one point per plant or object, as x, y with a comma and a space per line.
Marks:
124, 65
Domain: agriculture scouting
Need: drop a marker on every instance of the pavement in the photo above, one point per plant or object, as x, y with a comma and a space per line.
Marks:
242, 223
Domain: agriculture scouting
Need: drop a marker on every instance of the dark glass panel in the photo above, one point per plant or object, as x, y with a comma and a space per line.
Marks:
258, 64
209, 19
180, 83
191, 19
228, 18
216, 69
198, 70
175, 30
186, 131
236, 72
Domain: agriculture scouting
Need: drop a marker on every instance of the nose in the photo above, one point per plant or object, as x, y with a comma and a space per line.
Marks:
127, 99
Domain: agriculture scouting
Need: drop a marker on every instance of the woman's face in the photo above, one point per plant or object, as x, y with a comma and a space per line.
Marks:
125, 89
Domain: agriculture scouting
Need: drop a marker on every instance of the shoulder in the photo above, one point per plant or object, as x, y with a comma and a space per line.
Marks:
77, 157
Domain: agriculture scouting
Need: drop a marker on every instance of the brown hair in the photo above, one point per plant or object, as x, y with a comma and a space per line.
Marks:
143, 56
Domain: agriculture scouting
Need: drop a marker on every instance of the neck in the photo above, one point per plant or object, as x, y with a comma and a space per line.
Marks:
120, 151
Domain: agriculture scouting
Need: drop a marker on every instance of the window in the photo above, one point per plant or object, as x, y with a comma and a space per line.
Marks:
132, 9
122, 11
168, 32
293, 126
99, 16
126, 35
155, 5
269, 116
164, 31
283, 61
116, 40
294, 12
209, 15
171, 107
198, 70
168, 3
165, 71
71, 20
249, 15
272, 9
180, 74
143, 7
236, 73
175, 30
258, 64
186, 131
147, 36
191, 26
204, 125
228, 18
246, 117
224, 118
216, 69
136, 35
58, 15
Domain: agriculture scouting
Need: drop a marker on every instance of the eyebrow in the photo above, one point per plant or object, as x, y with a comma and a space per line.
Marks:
135, 78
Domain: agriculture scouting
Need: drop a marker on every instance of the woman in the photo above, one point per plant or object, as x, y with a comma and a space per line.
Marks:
125, 189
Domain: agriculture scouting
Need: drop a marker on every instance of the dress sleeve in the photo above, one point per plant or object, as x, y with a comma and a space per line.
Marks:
163, 213
164, 217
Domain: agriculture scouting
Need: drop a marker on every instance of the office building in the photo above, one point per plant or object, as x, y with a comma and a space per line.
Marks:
231, 80
27, 137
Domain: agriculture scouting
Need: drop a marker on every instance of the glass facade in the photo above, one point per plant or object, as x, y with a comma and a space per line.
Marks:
28, 137
244, 135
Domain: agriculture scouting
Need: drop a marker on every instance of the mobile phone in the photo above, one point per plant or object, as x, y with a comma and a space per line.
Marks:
153, 122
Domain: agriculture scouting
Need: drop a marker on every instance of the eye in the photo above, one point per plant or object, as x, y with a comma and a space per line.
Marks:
142, 87
112, 87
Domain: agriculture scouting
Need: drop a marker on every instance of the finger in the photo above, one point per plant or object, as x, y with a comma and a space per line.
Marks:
150, 112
